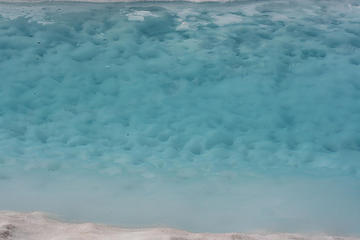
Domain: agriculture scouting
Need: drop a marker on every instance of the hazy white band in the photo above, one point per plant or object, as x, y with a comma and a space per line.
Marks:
38, 226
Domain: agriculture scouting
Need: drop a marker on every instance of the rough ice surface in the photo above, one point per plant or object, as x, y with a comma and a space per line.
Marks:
214, 117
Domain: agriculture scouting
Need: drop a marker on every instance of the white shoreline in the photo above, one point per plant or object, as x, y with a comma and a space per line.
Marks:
38, 226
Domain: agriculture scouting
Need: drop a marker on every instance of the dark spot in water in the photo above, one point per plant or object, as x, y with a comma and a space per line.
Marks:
3, 177
328, 147
355, 42
354, 31
137, 161
312, 53
52, 167
355, 61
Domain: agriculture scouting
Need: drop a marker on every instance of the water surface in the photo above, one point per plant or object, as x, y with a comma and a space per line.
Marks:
212, 117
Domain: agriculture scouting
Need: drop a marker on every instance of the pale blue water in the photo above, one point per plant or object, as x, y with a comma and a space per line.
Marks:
212, 117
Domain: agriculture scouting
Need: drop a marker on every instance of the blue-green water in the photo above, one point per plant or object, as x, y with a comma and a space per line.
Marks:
215, 117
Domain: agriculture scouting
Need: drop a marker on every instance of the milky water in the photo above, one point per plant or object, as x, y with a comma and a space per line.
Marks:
238, 116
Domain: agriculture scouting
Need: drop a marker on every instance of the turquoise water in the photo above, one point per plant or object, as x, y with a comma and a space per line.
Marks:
212, 117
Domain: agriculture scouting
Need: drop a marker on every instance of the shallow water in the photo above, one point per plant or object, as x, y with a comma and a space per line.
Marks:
212, 117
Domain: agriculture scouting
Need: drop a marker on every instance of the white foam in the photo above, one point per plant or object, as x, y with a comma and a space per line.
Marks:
38, 226
139, 15
183, 26
36, 13
32, 13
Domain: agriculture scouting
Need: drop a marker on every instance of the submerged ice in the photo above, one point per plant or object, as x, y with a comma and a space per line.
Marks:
210, 117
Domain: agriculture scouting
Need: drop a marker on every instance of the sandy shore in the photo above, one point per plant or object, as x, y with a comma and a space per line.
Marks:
38, 226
